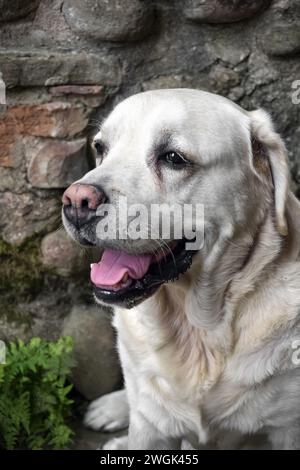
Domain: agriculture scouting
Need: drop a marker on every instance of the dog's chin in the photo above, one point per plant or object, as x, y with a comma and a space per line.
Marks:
168, 269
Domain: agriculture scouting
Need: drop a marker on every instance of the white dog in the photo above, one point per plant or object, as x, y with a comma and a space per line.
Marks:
213, 351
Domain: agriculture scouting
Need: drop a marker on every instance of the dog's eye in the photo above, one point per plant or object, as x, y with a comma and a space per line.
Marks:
99, 147
173, 160
100, 150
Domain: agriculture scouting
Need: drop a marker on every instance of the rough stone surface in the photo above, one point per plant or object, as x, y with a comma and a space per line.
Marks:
91, 96
97, 371
56, 119
23, 215
282, 39
58, 164
223, 11
76, 90
228, 52
37, 68
11, 10
114, 20
8, 140
61, 254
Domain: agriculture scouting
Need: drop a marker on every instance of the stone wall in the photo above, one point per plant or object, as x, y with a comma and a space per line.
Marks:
65, 64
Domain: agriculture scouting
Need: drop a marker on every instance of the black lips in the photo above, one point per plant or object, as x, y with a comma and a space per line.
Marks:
166, 270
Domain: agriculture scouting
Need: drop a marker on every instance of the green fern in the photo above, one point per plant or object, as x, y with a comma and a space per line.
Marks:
34, 403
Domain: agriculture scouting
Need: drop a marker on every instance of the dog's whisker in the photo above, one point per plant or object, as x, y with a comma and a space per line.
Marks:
160, 248
165, 248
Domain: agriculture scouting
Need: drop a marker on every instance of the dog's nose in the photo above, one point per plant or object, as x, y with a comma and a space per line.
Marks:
80, 202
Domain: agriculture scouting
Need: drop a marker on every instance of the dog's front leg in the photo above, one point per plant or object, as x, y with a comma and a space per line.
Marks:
145, 436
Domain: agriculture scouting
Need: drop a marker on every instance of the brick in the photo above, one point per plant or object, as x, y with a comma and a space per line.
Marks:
76, 90
41, 120
7, 140
55, 119
91, 96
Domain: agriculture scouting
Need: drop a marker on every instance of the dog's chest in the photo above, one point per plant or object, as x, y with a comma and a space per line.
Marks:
176, 383
182, 365
169, 374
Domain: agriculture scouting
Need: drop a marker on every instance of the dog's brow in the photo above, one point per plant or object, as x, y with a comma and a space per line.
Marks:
162, 142
170, 140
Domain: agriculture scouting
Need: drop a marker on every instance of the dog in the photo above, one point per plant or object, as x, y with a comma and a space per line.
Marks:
208, 340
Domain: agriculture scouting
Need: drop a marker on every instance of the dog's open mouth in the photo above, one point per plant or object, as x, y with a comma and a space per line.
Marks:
126, 280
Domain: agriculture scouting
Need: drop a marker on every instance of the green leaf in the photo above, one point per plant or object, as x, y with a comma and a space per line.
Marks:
34, 388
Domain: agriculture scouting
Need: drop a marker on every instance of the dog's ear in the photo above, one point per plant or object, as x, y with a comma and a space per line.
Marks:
268, 149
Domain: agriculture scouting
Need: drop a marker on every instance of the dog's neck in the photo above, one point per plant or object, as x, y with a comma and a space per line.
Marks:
236, 269
203, 302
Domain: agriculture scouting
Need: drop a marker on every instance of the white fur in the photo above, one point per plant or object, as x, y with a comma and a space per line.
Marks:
108, 413
211, 352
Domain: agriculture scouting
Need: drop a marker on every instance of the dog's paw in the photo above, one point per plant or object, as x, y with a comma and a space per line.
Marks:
117, 443
108, 413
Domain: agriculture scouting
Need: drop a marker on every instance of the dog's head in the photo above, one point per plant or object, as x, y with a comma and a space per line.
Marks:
172, 149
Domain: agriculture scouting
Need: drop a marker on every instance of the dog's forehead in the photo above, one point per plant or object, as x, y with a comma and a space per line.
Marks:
146, 110
172, 107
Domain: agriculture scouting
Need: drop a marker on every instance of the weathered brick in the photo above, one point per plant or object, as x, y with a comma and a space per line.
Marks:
7, 140
42, 120
91, 96
76, 90
58, 164
55, 119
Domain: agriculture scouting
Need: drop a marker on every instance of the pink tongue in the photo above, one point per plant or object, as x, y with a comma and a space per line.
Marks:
114, 264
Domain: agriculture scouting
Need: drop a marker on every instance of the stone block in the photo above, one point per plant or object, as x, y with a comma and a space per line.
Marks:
26, 214
282, 39
35, 68
58, 164
113, 20
55, 119
61, 254
97, 371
